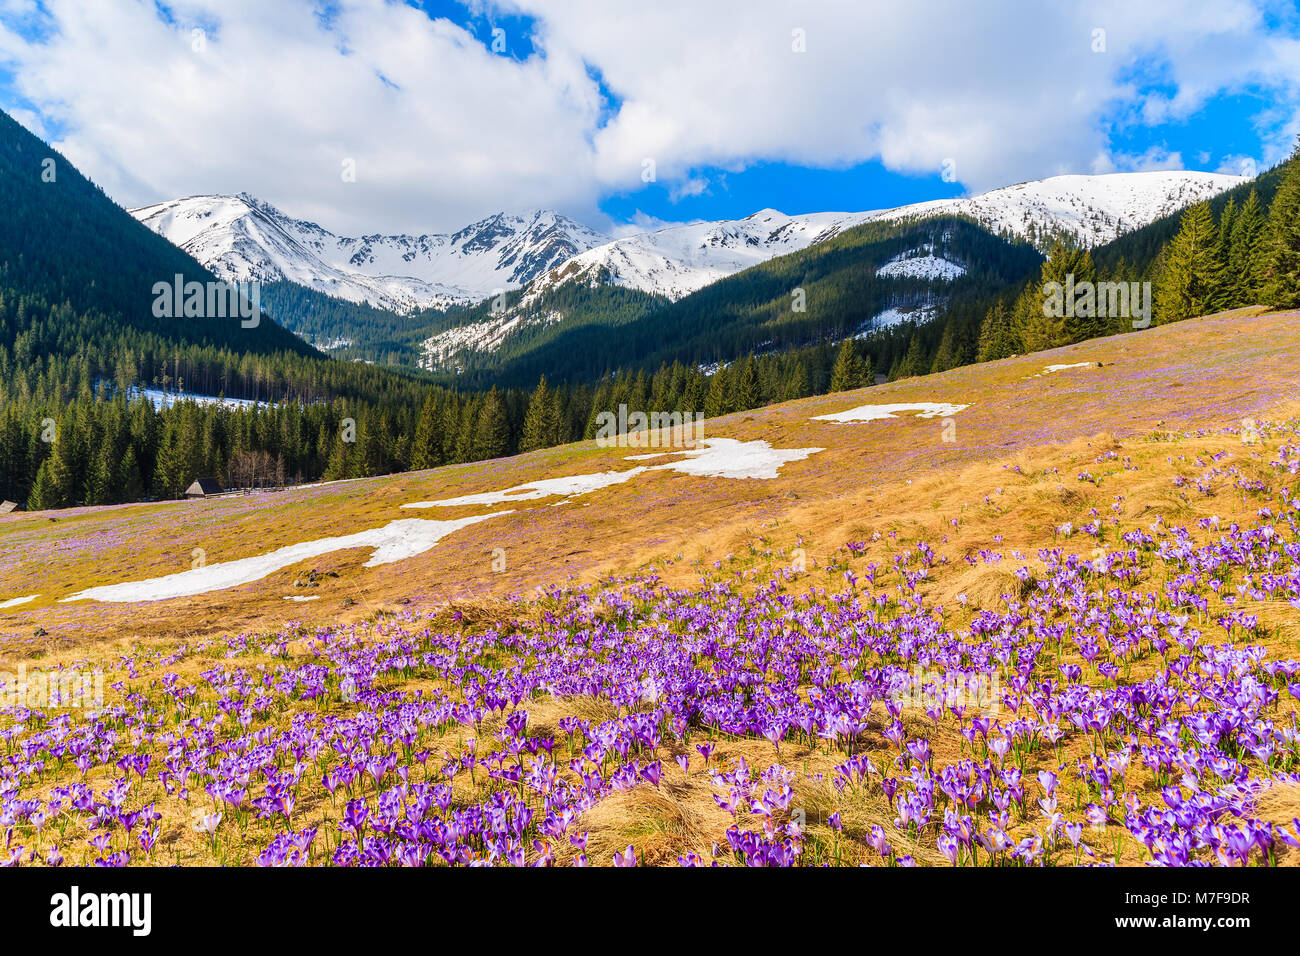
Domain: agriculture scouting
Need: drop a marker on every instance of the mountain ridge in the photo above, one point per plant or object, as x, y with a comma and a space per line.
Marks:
243, 237
1087, 209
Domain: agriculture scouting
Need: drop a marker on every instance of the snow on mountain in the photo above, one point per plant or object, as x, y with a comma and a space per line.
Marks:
1092, 209
924, 266
242, 238
678, 260
681, 259
897, 316
439, 350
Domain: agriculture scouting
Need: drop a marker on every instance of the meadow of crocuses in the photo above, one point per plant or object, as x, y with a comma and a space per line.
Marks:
1129, 698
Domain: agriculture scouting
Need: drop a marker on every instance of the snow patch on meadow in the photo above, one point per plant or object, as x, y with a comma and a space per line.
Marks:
1049, 369
300, 597
395, 541
719, 458
875, 413
408, 537
730, 458
14, 602
545, 488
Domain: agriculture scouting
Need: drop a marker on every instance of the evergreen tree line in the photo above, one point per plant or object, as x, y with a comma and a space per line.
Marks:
108, 444
1247, 254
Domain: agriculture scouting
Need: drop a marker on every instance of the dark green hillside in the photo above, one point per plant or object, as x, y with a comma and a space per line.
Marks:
753, 310
63, 241
1137, 250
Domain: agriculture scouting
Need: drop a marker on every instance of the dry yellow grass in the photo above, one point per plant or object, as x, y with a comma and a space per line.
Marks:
888, 485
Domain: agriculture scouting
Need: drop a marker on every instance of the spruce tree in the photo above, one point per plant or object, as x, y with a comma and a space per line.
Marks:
1044, 316
913, 362
102, 480
847, 373
449, 427
1223, 252
1246, 256
796, 383
492, 436
1190, 281
542, 422
748, 393
467, 429
949, 353
1282, 268
717, 401
130, 486
339, 466
999, 336
45, 493
426, 449
168, 467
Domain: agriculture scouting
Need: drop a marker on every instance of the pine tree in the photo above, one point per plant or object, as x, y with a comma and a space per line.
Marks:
999, 337
748, 393
1190, 281
45, 493
847, 373
426, 449
492, 436
542, 423
1246, 257
1282, 268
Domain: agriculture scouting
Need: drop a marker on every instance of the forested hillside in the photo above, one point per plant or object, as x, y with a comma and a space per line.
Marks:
820, 294
101, 401
1240, 249
80, 345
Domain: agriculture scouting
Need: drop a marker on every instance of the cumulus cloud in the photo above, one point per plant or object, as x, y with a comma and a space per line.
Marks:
441, 131
272, 99
642, 222
1153, 158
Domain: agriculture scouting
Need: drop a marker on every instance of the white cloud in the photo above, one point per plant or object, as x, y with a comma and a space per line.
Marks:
443, 131
1240, 165
1154, 158
688, 188
639, 223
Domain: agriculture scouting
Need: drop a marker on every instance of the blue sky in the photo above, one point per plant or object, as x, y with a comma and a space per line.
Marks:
566, 104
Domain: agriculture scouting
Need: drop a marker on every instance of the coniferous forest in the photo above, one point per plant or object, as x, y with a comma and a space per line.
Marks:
101, 401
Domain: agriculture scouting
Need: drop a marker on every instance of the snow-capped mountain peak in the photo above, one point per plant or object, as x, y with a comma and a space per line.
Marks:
241, 237
676, 260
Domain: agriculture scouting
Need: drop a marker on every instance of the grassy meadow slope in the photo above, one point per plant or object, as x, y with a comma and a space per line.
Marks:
1206, 373
964, 540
